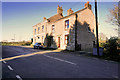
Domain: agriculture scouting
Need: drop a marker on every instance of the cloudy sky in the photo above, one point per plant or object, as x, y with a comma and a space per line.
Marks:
19, 17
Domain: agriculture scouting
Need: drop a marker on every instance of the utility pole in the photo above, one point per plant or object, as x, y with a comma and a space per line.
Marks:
76, 32
14, 37
97, 40
118, 20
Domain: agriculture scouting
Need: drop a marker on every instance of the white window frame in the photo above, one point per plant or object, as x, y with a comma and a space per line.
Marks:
53, 29
67, 24
42, 28
38, 30
35, 31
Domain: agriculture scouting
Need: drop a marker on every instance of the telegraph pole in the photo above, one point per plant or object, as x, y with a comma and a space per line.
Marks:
14, 37
118, 20
97, 40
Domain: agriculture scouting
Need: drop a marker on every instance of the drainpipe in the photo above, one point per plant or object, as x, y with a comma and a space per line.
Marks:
76, 31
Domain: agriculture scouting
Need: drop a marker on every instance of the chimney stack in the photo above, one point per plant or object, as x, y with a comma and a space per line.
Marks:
59, 10
44, 18
87, 5
69, 11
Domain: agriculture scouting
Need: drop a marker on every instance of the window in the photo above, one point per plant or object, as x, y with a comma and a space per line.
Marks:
66, 39
38, 30
53, 28
67, 24
43, 28
35, 31
42, 39
89, 29
35, 39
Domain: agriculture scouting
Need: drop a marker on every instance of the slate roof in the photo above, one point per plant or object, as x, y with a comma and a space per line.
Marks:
72, 14
55, 17
58, 17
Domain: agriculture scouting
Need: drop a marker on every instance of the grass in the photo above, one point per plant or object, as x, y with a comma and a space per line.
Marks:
15, 43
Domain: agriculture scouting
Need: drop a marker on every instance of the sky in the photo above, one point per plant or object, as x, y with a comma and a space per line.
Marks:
18, 18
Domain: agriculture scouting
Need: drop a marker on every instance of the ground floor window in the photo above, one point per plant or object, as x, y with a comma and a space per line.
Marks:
42, 39
35, 39
66, 39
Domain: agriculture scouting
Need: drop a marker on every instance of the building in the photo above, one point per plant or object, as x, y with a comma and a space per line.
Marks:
59, 31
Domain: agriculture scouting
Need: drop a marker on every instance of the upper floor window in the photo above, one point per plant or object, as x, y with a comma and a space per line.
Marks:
66, 24
53, 28
35, 31
38, 30
43, 28
89, 29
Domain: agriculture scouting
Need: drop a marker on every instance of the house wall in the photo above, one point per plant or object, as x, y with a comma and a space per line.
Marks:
84, 37
60, 31
40, 33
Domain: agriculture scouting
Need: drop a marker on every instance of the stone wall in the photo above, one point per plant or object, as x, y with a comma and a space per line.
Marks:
86, 38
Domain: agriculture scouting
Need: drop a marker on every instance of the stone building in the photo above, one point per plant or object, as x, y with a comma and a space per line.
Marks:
59, 31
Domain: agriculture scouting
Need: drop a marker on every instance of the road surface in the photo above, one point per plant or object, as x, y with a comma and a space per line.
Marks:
53, 64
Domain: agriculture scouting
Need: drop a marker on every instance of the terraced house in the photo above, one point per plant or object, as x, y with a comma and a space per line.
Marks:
66, 32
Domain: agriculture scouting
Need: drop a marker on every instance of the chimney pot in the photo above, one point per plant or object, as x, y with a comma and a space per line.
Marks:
69, 11
87, 5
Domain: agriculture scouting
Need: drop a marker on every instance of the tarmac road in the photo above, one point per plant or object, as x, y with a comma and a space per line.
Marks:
53, 64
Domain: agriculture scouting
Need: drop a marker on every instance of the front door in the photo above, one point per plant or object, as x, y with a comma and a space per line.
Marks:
58, 42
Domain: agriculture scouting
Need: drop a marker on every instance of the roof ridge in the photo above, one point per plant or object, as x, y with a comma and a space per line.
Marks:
72, 14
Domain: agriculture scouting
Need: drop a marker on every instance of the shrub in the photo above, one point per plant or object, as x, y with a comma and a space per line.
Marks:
111, 48
102, 44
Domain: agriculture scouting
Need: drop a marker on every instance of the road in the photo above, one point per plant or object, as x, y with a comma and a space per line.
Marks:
53, 64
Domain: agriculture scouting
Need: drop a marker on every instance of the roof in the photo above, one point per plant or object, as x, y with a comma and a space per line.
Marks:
55, 17
58, 17
72, 14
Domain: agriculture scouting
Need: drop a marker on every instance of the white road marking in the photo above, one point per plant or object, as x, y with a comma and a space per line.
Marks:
18, 77
105, 60
115, 76
4, 62
61, 60
10, 68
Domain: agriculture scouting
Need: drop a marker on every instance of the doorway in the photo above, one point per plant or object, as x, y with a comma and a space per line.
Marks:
58, 42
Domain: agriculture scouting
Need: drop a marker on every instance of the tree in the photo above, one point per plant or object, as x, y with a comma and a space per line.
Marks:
114, 15
31, 40
111, 49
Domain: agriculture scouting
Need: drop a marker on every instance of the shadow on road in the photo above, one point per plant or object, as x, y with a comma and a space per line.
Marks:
20, 52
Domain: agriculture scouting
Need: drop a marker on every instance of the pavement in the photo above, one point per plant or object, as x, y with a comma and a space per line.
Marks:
21, 62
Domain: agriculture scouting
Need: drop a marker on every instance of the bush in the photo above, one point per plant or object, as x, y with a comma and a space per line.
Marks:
102, 44
111, 49
16, 43
28, 43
